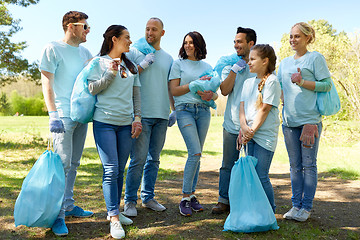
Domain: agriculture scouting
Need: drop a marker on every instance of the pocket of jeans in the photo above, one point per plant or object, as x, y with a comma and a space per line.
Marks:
180, 107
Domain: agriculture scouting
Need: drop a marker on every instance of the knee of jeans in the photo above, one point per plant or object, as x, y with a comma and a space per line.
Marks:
194, 157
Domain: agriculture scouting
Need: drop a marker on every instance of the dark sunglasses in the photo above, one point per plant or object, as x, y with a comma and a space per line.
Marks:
123, 73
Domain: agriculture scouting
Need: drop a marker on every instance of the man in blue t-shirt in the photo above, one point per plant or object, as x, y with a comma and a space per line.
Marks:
233, 77
60, 63
156, 101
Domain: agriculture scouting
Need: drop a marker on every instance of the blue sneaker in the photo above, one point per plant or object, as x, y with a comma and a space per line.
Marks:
59, 228
78, 212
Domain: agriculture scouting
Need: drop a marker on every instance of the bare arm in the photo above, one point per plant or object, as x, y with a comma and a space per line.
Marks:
176, 89
171, 98
47, 80
227, 85
261, 115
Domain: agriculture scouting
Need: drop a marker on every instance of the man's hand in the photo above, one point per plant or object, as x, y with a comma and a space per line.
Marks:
55, 123
239, 66
172, 118
148, 60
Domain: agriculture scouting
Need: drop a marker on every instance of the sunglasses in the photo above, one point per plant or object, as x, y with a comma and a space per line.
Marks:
85, 25
123, 73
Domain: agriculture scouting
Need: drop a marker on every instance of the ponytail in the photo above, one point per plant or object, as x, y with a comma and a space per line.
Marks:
261, 85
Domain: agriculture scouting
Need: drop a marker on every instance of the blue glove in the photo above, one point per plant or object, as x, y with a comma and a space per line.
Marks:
239, 66
172, 118
55, 123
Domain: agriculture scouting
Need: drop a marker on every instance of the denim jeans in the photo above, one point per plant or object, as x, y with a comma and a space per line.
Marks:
262, 168
230, 156
303, 167
69, 146
145, 155
193, 121
113, 144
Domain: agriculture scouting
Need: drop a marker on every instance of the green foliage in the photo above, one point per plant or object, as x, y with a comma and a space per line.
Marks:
32, 106
4, 104
11, 62
342, 57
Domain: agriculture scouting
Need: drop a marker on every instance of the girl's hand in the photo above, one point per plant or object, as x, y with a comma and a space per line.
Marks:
247, 134
205, 95
206, 77
136, 129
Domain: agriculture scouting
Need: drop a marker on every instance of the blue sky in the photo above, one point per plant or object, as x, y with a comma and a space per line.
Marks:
215, 20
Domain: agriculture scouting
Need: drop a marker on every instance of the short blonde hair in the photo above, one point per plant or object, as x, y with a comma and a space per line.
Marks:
307, 30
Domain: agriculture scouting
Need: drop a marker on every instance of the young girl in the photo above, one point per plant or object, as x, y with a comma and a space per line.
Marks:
259, 114
116, 83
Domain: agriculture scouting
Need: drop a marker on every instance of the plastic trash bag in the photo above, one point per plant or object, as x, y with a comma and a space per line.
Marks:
250, 210
42, 192
225, 61
206, 85
82, 105
143, 46
328, 103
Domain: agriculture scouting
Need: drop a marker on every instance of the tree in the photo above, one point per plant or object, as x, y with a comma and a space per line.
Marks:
11, 63
343, 59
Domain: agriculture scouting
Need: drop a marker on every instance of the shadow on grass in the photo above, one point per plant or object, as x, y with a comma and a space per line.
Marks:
182, 153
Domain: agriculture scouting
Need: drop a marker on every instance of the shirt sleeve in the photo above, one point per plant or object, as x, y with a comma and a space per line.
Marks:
321, 70
323, 85
225, 72
175, 71
48, 60
272, 91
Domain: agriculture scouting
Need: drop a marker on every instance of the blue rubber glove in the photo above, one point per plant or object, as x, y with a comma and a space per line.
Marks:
55, 123
239, 66
172, 119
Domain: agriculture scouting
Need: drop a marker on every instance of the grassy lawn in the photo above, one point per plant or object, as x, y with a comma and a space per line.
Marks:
23, 139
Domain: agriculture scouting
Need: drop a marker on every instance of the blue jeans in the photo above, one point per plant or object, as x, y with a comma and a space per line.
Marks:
303, 167
230, 156
113, 144
69, 146
193, 121
262, 168
145, 155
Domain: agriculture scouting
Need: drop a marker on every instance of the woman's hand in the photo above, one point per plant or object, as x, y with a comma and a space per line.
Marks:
308, 134
206, 77
136, 128
114, 65
297, 78
205, 95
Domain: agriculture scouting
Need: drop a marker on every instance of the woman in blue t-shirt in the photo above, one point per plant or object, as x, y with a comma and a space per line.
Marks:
301, 76
259, 114
115, 82
193, 116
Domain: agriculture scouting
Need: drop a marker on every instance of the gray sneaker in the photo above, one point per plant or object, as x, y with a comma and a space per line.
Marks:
291, 213
154, 205
302, 215
130, 209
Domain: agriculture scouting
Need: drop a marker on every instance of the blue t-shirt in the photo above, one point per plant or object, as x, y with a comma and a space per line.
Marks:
65, 62
231, 116
299, 103
154, 84
266, 136
188, 71
114, 104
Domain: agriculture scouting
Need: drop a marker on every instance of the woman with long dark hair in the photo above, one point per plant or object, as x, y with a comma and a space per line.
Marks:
193, 116
116, 120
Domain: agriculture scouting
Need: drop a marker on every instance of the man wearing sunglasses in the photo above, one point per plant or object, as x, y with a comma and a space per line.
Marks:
154, 70
60, 64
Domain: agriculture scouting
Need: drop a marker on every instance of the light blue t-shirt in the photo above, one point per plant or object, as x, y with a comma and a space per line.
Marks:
231, 116
65, 62
266, 136
154, 84
299, 103
114, 104
188, 71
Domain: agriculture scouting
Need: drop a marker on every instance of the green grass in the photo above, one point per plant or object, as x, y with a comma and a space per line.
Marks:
24, 139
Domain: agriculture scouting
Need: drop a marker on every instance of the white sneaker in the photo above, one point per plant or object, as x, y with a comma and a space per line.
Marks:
130, 209
116, 230
291, 213
154, 205
302, 215
123, 220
